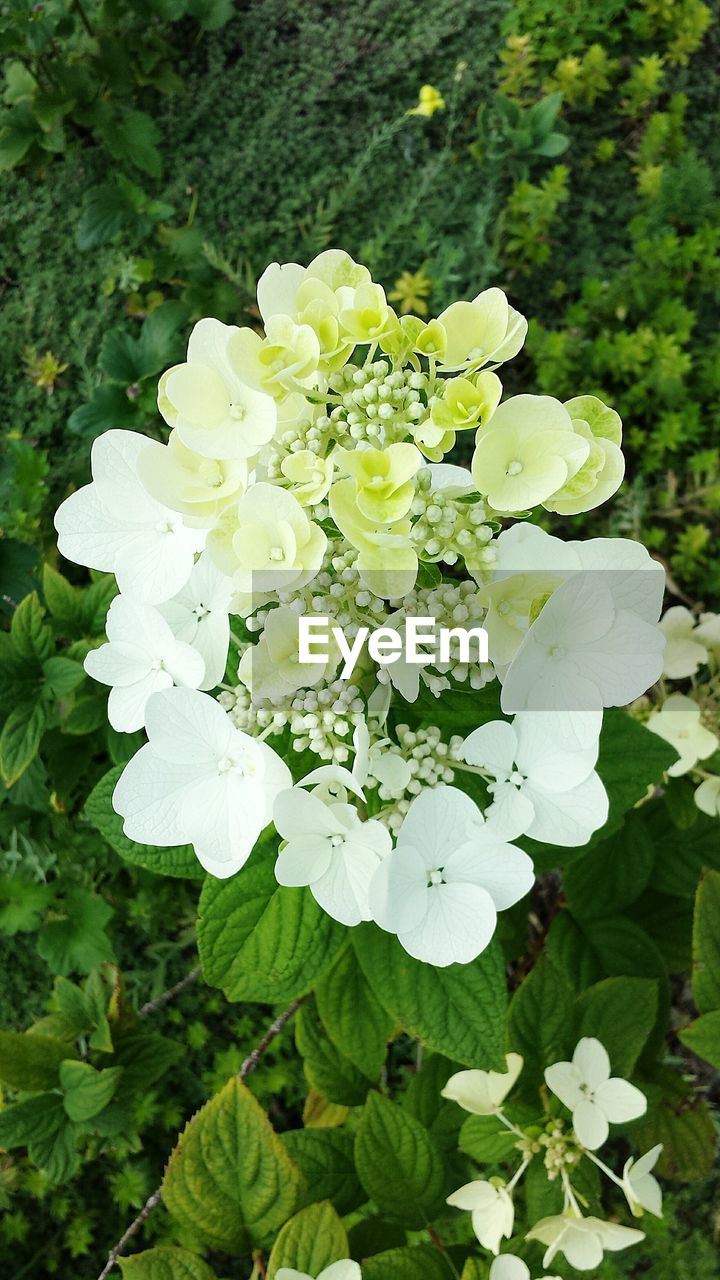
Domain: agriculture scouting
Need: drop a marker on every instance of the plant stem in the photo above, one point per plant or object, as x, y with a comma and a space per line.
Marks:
159, 1001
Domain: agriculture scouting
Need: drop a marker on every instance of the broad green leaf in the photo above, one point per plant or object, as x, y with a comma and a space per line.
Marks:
22, 903
29, 1061
77, 942
165, 1263
623, 949
62, 675
680, 858
109, 403
258, 941
20, 740
397, 1163
106, 211
144, 1056
706, 944
62, 599
421, 1262
86, 1091
621, 1013
352, 1015
177, 860
230, 1179
325, 1160
327, 1069
540, 1019
680, 1120
309, 1242
40, 1124
486, 1140
423, 1096
613, 873
568, 951
32, 637
703, 1037
133, 135
458, 1011
543, 1199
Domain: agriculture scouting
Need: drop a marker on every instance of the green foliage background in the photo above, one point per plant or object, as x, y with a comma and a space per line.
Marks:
277, 128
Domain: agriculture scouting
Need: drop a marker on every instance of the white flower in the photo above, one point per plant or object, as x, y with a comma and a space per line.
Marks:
141, 658
582, 1240
483, 1092
543, 765
343, 1270
196, 486
528, 452
115, 525
450, 874
595, 1098
330, 849
508, 1267
198, 614
266, 543
492, 1209
271, 669
684, 652
199, 780
485, 330
707, 797
641, 1188
678, 722
595, 642
213, 410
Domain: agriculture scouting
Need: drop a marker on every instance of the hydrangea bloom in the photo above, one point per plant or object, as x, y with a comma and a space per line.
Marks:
343, 1270
449, 875
483, 1092
641, 1188
508, 1267
678, 721
492, 1210
596, 1099
582, 1240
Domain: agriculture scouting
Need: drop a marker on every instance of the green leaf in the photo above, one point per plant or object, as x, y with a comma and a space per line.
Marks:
679, 859
31, 636
144, 1056
22, 903
86, 1091
20, 740
230, 1179
62, 599
109, 403
706, 944
106, 211
258, 941
703, 1037
540, 1019
352, 1015
325, 1067
40, 1124
568, 951
165, 1263
486, 1140
29, 1061
622, 948
15, 142
621, 1013
423, 1262
309, 1242
77, 942
613, 873
134, 136
397, 1163
62, 675
679, 1119
176, 860
458, 1011
326, 1161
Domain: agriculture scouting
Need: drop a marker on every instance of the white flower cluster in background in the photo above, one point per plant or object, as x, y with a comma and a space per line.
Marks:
595, 1099
304, 473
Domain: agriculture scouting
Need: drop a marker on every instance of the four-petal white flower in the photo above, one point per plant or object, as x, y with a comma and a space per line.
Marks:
641, 1189
595, 1098
343, 1270
492, 1210
198, 614
449, 875
582, 1240
142, 657
483, 1092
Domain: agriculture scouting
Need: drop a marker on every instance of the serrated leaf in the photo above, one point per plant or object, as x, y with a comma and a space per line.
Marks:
613, 873
133, 136
175, 860
458, 1011
78, 941
327, 1069
423, 1262
540, 1019
680, 1120
86, 1091
621, 1013
61, 598
486, 1140
352, 1015
31, 636
230, 1179
20, 741
40, 1124
325, 1159
106, 211
258, 941
703, 1037
62, 675
29, 1061
397, 1164
706, 944
679, 860
165, 1263
311, 1241
144, 1056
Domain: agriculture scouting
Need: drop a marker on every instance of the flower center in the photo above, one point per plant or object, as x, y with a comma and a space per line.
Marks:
514, 468
277, 553
238, 412
435, 877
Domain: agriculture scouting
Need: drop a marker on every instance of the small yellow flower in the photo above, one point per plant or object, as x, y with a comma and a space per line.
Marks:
411, 290
430, 101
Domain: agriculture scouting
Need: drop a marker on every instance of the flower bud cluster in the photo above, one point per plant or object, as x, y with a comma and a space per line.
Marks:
378, 405
448, 529
430, 760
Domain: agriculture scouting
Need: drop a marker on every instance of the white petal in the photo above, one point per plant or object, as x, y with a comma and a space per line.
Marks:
87, 533
508, 1267
557, 750
590, 1124
621, 1101
346, 1269
297, 813
187, 726
493, 747
117, 663
563, 1079
592, 1062
149, 795
343, 890
511, 812
223, 818
398, 891
127, 703
505, 872
459, 922
438, 820
582, 1248
303, 860
568, 818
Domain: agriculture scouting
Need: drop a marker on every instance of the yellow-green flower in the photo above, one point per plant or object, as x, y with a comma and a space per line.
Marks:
601, 474
465, 403
485, 331
411, 290
430, 100
528, 452
309, 475
387, 561
369, 316
197, 486
384, 479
